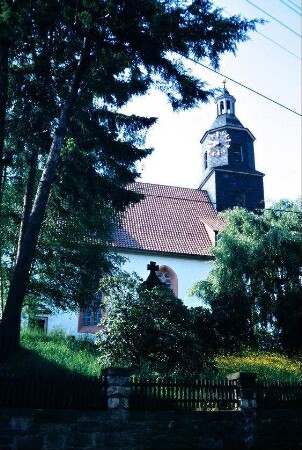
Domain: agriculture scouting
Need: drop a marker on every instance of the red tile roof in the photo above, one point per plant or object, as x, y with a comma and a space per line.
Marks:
168, 219
217, 224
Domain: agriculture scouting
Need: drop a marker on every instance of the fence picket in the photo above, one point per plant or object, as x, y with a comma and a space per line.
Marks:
80, 392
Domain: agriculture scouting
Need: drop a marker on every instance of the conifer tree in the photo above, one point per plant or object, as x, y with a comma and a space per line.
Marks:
67, 66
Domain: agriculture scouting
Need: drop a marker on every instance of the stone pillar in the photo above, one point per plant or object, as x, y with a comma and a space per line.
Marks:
246, 395
118, 393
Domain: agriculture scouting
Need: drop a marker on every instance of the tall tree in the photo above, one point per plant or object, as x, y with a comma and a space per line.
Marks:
68, 66
255, 286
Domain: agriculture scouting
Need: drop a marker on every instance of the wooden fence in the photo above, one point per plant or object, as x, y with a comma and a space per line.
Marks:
53, 392
47, 391
199, 395
279, 395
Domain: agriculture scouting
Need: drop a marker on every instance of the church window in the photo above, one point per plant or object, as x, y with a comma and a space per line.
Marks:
205, 156
90, 318
221, 107
237, 153
168, 277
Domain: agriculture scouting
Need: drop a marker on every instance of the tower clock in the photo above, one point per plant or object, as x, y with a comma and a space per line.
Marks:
229, 173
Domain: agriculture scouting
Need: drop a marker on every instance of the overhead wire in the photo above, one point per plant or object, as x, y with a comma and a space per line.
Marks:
294, 4
194, 200
239, 84
270, 39
274, 18
290, 7
279, 45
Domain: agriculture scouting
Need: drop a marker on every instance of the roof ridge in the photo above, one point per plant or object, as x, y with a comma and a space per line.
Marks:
168, 186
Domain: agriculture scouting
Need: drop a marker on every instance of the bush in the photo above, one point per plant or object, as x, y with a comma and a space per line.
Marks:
150, 330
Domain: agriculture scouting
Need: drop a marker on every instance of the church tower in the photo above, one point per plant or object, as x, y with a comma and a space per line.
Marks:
228, 159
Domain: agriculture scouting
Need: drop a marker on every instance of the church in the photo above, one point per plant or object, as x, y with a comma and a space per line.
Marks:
177, 227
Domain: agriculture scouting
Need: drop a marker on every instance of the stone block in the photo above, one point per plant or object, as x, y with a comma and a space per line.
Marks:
55, 416
209, 443
89, 426
118, 403
79, 440
116, 391
54, 441
21, 423
98, 440
6, 440
34, 442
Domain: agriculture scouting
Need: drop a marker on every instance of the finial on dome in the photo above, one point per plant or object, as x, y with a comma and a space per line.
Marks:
224, 88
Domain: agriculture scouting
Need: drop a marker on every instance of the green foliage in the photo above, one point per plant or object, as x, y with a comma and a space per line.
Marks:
254, 289
149, 330
55, 353
269, 366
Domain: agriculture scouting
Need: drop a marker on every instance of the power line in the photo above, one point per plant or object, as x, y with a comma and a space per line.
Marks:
277, 20
279, 45
290, 7
207, 202
192, 200
276, 43
240, 84
293, 3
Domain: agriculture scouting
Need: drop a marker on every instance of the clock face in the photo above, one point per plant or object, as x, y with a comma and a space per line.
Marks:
218, 143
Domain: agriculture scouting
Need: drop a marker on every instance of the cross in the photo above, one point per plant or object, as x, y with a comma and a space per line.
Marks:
224, 82
152, 279
153, 267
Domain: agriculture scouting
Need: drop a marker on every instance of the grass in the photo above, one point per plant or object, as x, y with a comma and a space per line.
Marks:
270, 366
59, 353
55, 352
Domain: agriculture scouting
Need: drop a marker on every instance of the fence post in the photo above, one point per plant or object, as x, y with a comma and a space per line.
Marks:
246, 395
118, 393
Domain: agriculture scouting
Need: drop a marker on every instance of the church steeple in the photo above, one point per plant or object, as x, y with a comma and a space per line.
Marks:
225, 102
229, 173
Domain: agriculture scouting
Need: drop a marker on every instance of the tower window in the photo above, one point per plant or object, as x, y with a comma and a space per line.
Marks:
240, 199
205, 160
228, 104
221, 107
237, 153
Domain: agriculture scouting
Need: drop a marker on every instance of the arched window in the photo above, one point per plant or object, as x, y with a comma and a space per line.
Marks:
169, 278
221, 108
228, 105
205, 160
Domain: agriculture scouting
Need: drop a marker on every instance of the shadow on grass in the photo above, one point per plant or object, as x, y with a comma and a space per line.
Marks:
54, 354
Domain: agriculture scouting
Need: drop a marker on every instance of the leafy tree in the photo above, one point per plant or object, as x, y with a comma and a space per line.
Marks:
66, 69
254, 288
149, 329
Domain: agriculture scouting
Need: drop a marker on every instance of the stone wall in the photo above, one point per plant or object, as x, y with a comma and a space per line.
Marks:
23, 429
120, 429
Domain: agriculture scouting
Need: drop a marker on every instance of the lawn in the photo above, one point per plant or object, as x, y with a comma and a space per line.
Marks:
55, 352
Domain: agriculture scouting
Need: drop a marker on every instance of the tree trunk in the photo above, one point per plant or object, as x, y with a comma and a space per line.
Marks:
11, 321
28, 197
4, 52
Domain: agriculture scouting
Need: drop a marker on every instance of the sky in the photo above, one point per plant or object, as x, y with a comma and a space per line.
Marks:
263, 66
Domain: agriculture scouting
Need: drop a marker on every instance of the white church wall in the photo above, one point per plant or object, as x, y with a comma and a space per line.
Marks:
67, 321
187, 270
